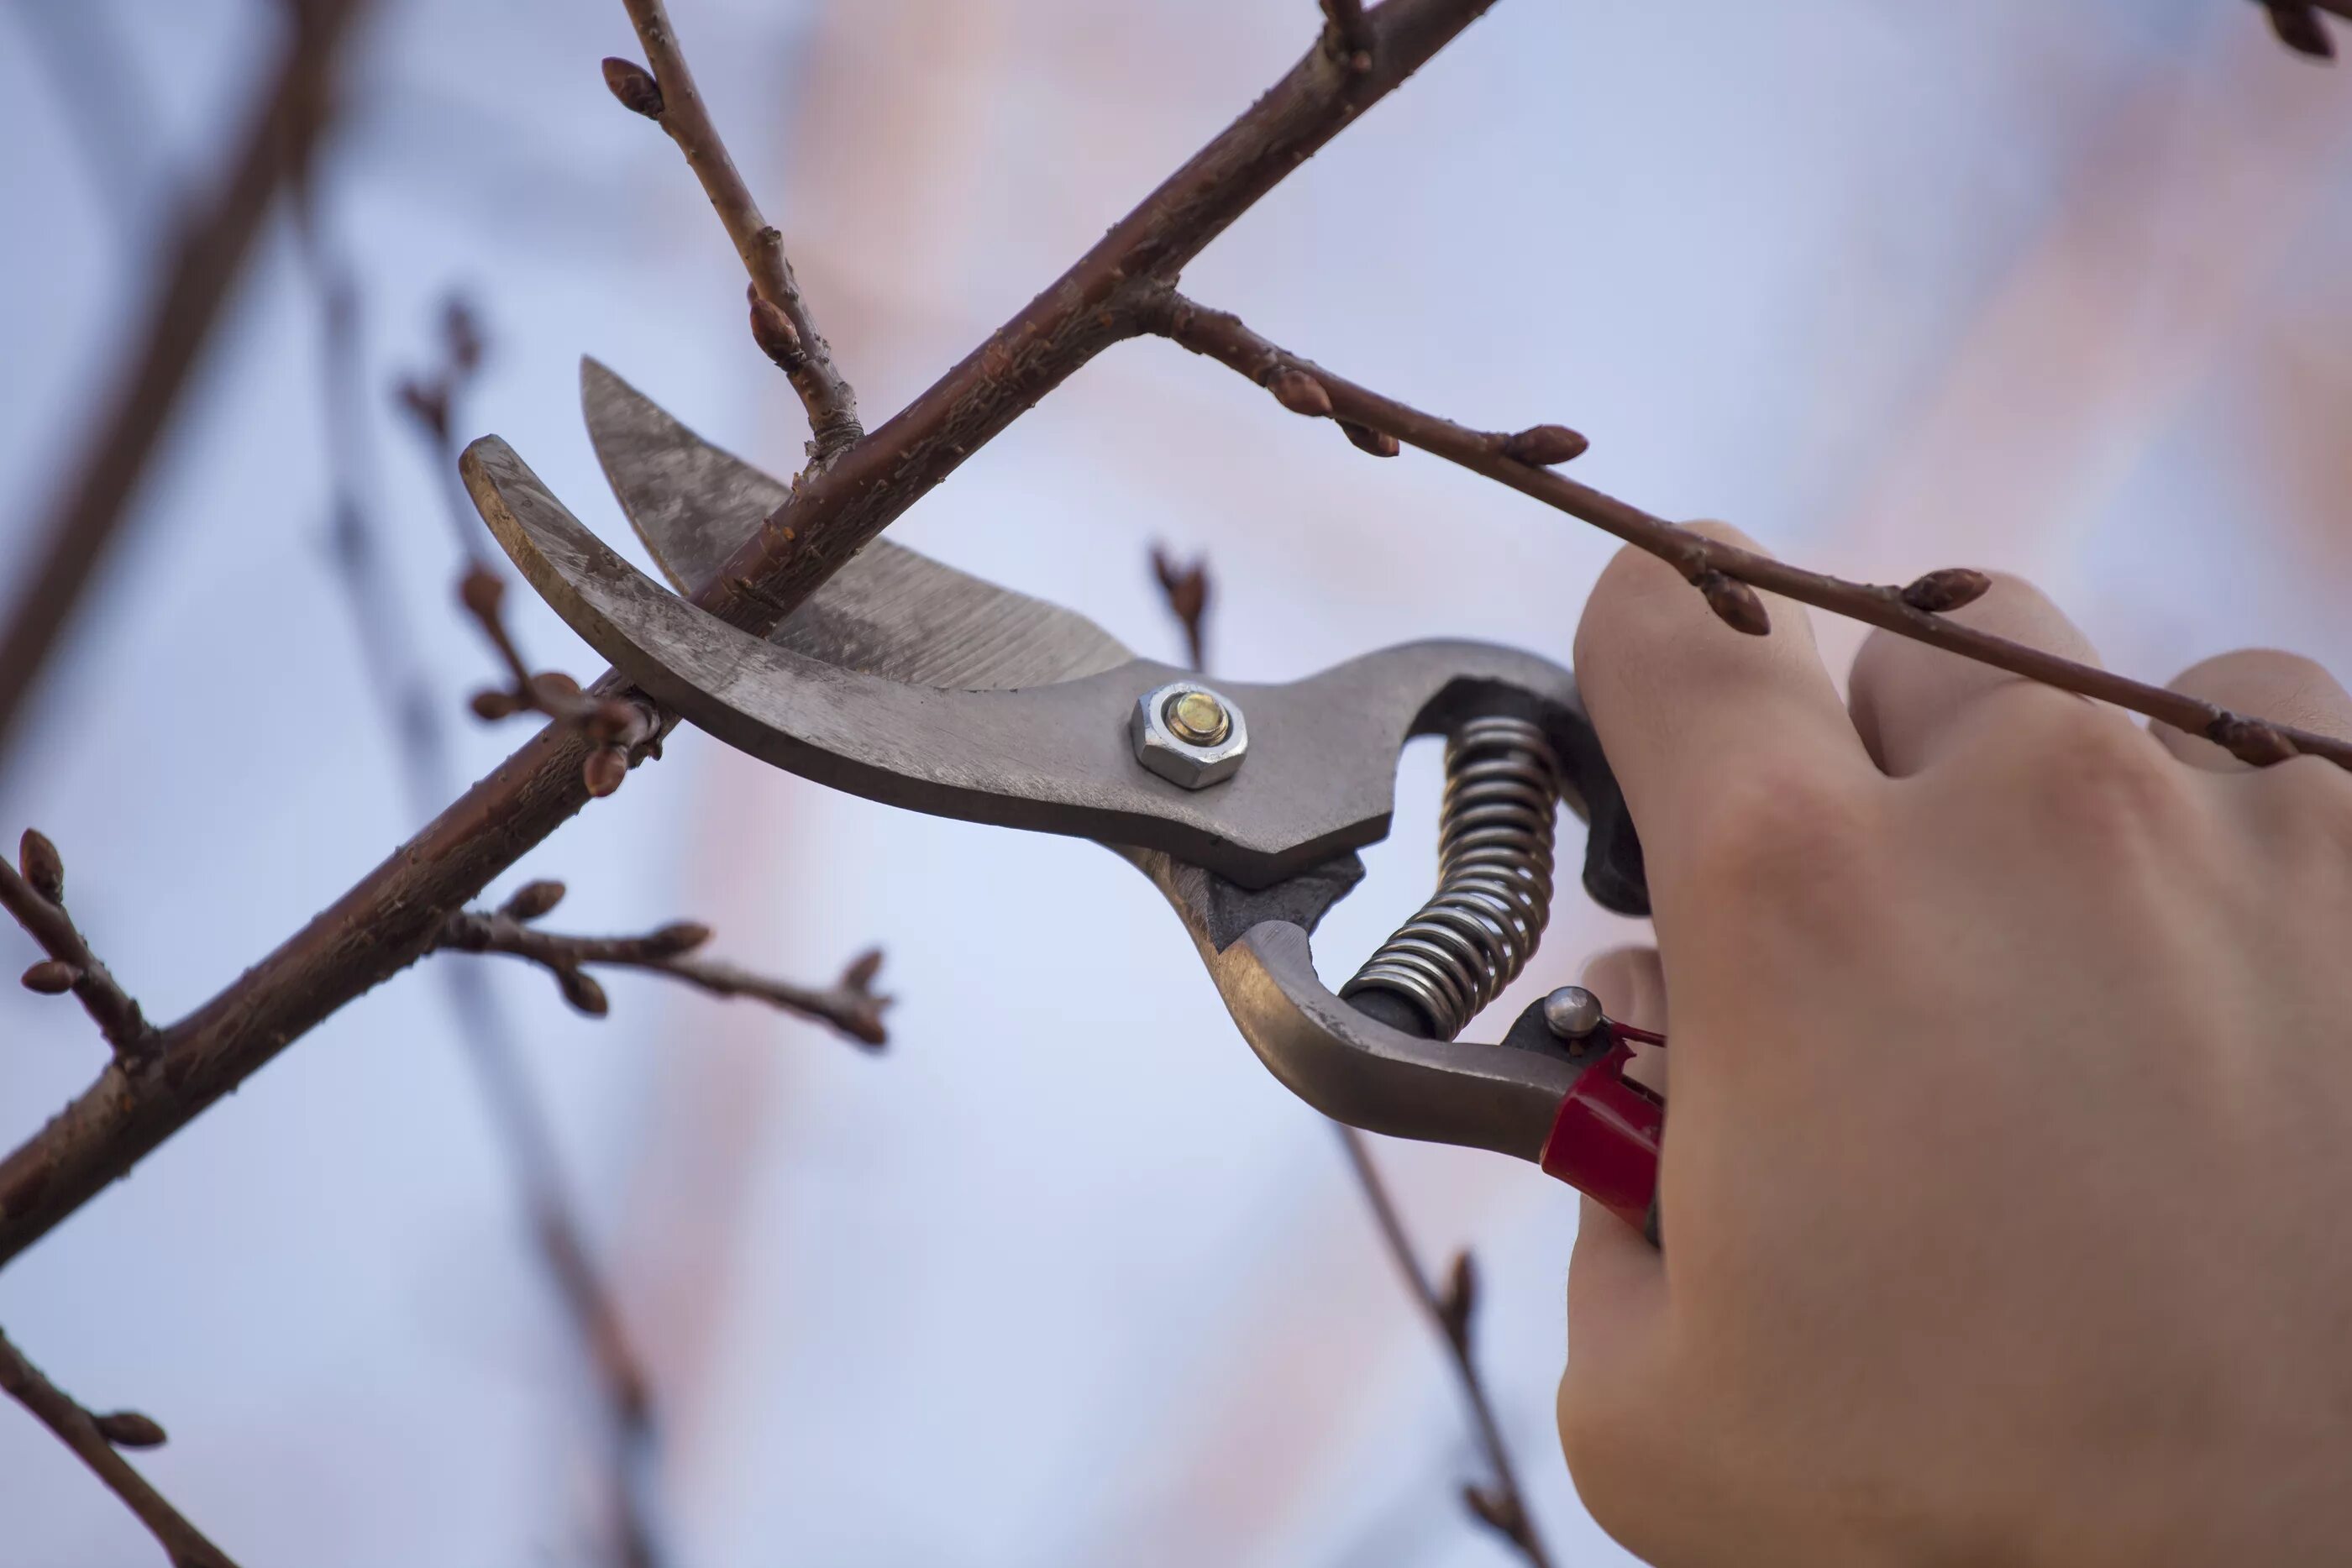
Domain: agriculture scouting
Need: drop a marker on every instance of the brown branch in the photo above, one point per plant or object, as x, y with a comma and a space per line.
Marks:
1723, 573
613, 726
1346, 34
2297, 25
34, 891
94, 1439
194, 282
517, 1116
850, 1004
395, 912
780, 320
1501, 1506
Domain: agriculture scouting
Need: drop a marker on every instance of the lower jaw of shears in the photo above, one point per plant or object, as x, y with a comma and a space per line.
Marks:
1604, 1142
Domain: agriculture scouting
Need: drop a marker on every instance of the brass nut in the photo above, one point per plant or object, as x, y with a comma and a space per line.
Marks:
1188, 735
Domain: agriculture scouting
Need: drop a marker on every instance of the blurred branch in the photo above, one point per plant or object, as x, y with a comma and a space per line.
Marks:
1725, 574
396, 912
2298, 27
849, 1004
34, 891
1500, 1506
517, 1119
94, 1439
192, 284
781, 321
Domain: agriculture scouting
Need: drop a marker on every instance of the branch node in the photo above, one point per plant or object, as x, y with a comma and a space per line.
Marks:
634, 86
129, 1429
1543, 445
2250, 740
774, 332
1946, 590
43, 867
1734, 604
1299, 392
1378, 443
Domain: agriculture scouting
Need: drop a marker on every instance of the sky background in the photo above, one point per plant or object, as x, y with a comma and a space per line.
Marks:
1064, 1277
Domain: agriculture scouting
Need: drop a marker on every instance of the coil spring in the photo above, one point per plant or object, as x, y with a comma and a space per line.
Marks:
1493, 878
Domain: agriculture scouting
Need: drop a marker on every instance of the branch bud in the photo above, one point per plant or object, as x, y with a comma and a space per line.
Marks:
604, 770
774, 332
634, 86
1541, 445
583, 992
2250, 740
1498, 1509
129, 1429
612, 718
1378, 443
1299, 392
481, 591
678, 937
1734, 603
51, 976
42, 865
1947, 590
427, 403
533, 899
495, 704
862, 969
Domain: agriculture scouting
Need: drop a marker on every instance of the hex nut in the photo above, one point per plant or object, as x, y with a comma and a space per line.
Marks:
1160, 745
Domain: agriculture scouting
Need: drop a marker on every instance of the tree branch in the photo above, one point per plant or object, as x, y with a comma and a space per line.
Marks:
35, 896
1719, 570
94, 1439
780, 319
849, 1004
613, 726
394, 912
195, 285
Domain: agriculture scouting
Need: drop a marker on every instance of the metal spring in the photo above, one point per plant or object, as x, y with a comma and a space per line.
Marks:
1494, 877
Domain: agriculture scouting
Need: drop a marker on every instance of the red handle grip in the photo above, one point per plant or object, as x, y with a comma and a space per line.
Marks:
1604, 1142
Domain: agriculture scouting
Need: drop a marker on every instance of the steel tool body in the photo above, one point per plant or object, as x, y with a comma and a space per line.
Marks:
919, 685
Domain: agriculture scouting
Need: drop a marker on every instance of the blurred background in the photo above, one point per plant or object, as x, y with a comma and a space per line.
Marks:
1062, 1277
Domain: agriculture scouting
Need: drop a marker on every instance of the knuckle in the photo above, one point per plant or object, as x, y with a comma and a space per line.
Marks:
1772, 822
2095, 780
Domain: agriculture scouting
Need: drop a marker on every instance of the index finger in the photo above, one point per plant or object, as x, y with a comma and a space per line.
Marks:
1681, 701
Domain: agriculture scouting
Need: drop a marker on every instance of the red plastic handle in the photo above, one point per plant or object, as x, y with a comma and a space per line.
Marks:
1604, 1142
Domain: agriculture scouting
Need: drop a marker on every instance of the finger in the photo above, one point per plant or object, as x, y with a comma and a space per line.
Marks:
1631, 985
2261, 683
1678, 696
1912, 703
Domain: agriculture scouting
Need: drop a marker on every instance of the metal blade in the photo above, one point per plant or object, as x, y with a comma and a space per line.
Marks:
891, 611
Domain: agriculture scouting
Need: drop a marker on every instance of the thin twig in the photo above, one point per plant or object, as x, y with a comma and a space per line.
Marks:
1500, 1506
394, 912
613, 726
518, 1117
93, 1439
850, 1004
193, 283
780, 319
1717, 569
34, 891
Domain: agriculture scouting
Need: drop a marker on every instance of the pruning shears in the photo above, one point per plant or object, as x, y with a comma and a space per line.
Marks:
917, 685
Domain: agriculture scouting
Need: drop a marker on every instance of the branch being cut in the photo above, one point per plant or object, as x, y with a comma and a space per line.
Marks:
781, 321
613, 726
850, 1004
395, 912
34, 891
94, 1439
192, 289
1725, 573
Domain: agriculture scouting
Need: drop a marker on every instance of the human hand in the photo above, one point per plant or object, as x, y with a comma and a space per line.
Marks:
2007, 1188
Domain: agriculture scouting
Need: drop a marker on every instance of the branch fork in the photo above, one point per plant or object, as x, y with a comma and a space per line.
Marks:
34, 891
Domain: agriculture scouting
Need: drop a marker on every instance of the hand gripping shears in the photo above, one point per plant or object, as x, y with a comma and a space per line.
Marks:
917, 685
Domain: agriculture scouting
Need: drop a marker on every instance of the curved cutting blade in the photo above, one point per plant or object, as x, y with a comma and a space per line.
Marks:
891, 611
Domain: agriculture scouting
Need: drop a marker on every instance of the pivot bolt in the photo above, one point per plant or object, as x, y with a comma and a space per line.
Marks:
1571, 1013
1188, 735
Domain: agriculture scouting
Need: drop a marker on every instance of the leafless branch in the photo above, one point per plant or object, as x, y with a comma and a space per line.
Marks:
193, 283
94, 1439
849, 1004
395, 912
34, 891
517, 1118
2298, 27
782, 323
613, 726
1725, 573
1500, 1505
